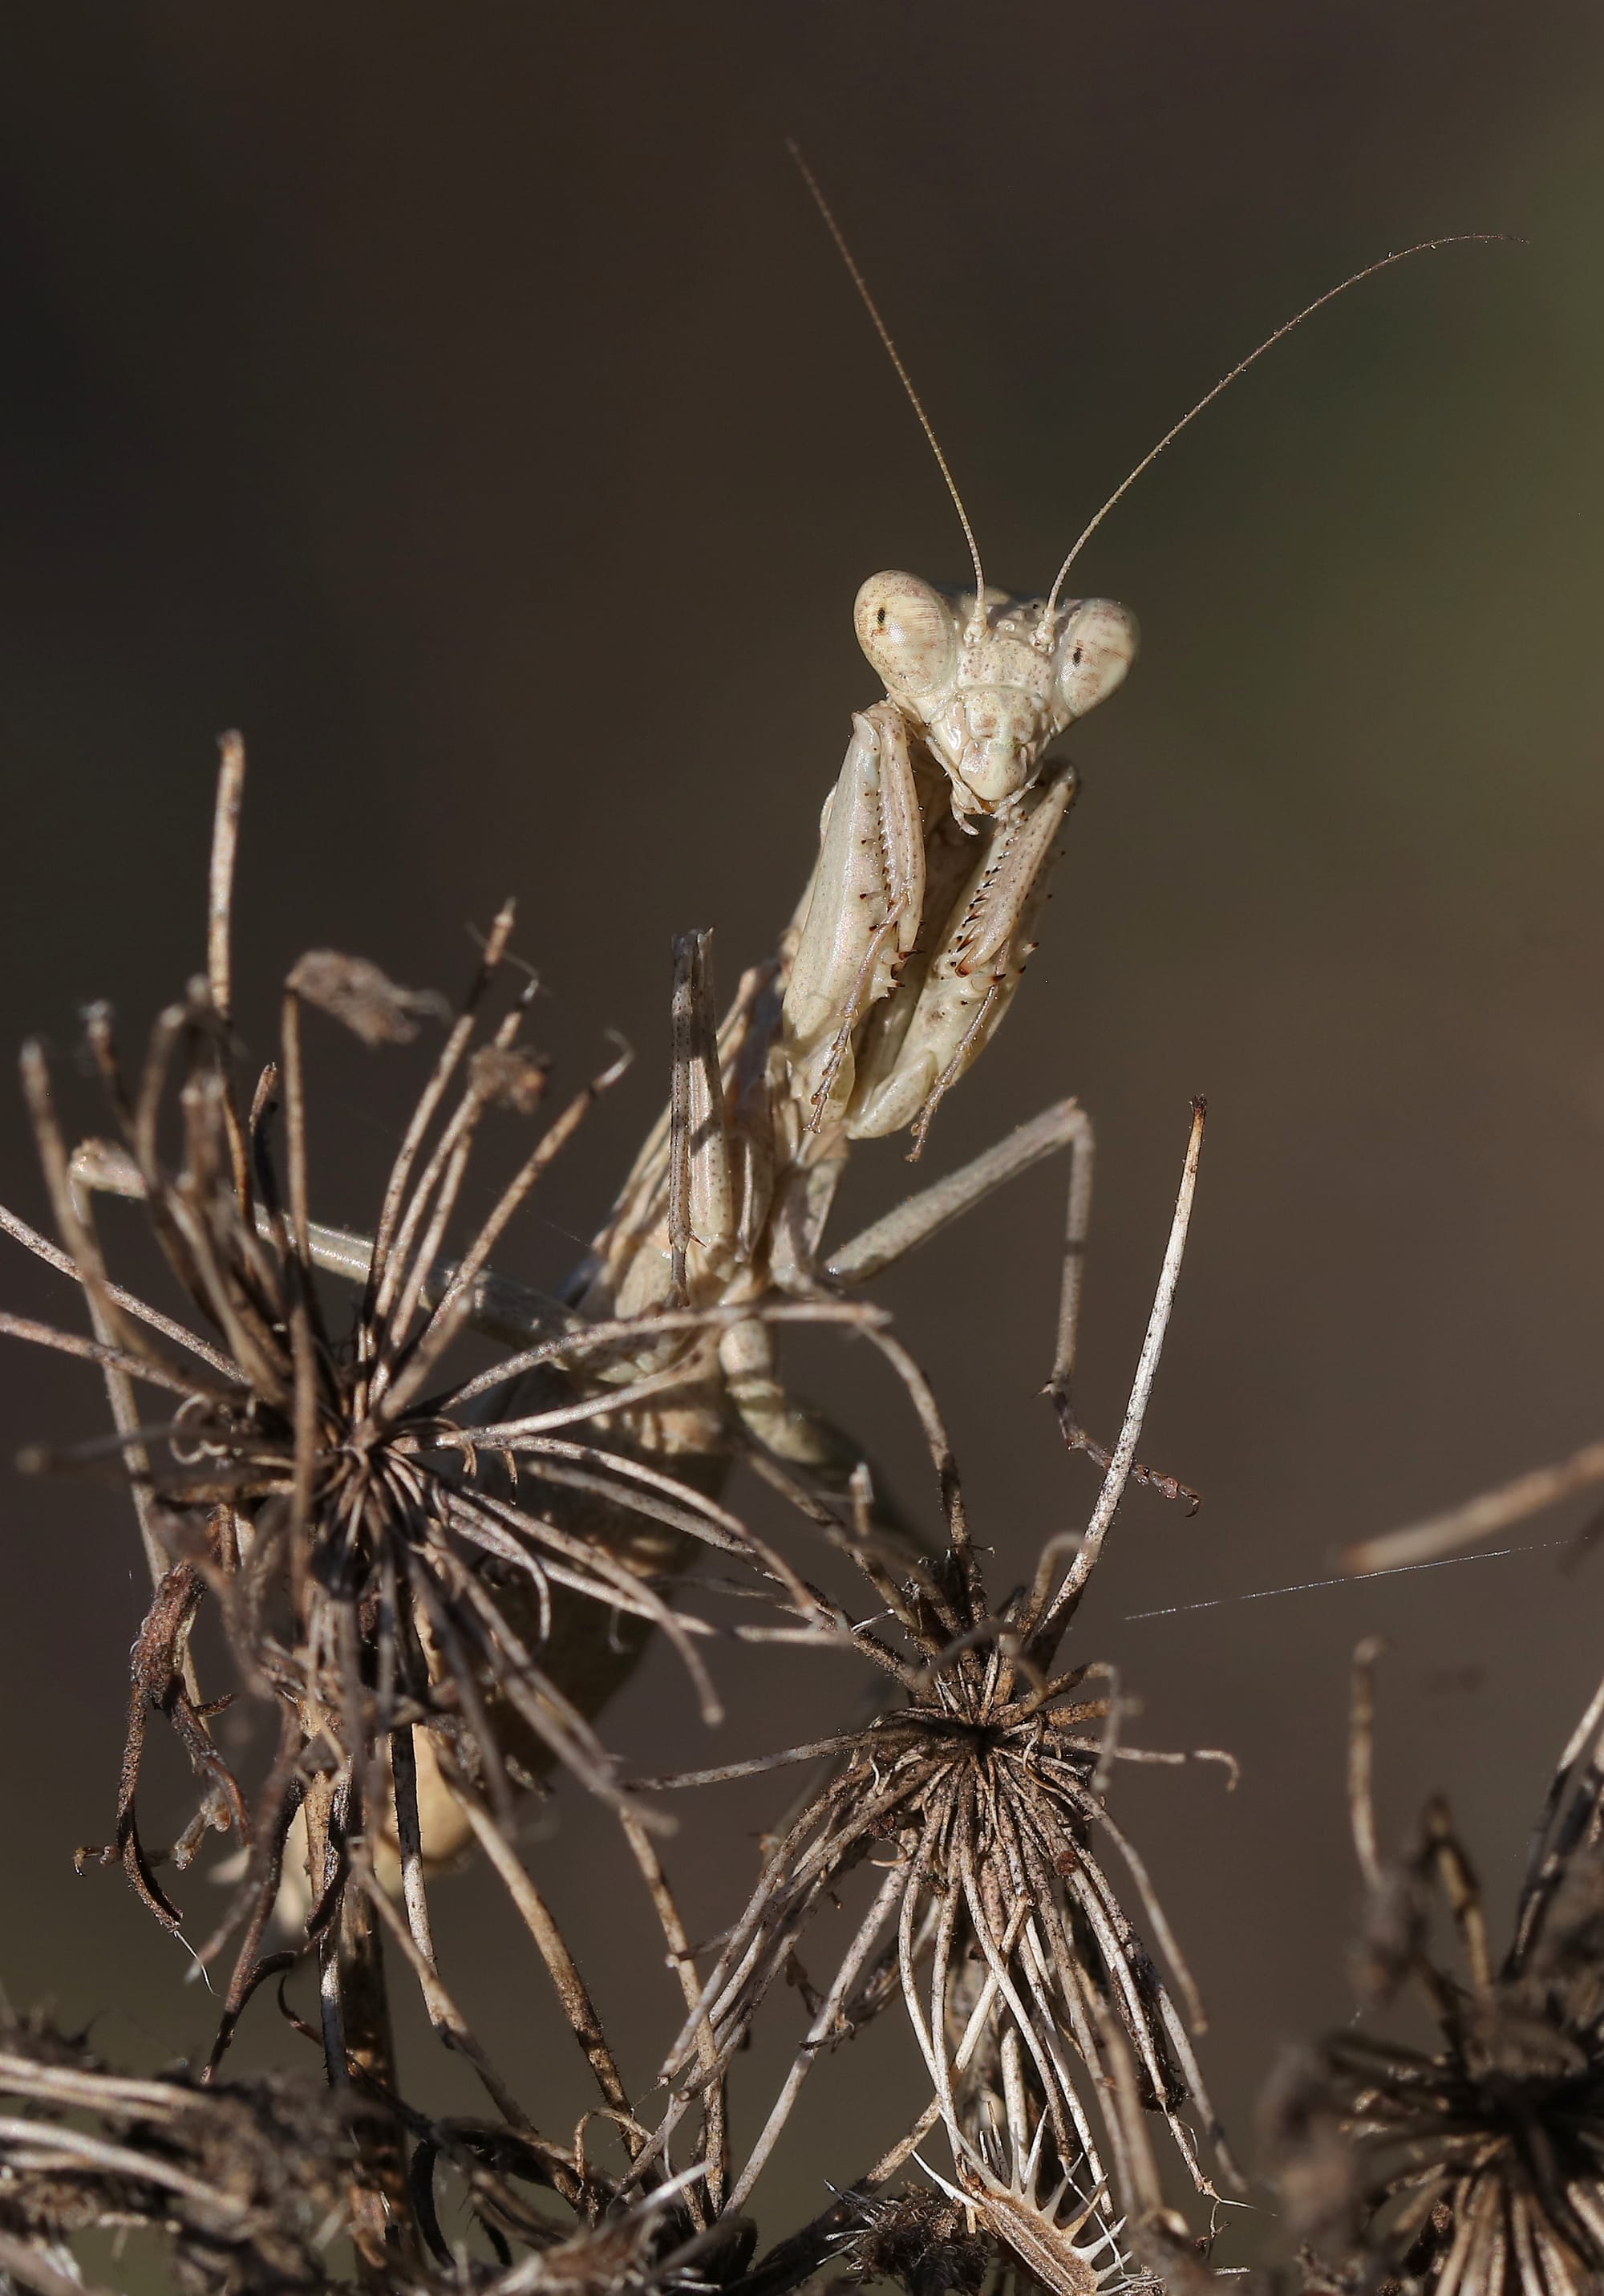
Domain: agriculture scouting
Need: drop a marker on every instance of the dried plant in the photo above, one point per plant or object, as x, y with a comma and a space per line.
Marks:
404, 1562
980, 1788
250, 2183
248, 2179
391, 1567
1456, 1528
1478, 2165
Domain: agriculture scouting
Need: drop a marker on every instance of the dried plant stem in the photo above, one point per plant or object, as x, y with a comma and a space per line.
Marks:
577, 2007
224, 853
448, 2019
715, 2138
1362, 1739
29, 2270
1063, 1604
820, 2033
1479, 1518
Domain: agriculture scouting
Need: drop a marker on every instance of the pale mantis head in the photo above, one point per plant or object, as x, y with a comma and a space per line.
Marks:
988, 680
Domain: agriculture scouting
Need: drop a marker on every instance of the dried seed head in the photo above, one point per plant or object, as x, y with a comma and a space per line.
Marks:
924, 2241
1479, 2163
1036, 2005
393, 1563
245, 2179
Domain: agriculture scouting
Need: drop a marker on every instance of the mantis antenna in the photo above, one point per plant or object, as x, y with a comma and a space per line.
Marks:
1423, 247
895, 356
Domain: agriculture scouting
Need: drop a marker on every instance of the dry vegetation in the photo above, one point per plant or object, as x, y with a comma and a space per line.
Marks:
429, 1585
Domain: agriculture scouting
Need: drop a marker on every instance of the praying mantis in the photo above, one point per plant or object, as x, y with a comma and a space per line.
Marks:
909, 943
892, 976
895, 972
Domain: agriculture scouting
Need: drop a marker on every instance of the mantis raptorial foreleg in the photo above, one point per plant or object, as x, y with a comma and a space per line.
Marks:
703, 1209
935, 844
983, 682
862, 913
912, 1058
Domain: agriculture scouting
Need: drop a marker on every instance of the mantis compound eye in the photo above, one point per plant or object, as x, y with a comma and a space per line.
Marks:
907, 631
1097, 646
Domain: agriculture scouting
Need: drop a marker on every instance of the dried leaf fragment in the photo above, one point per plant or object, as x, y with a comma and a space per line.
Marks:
354, 992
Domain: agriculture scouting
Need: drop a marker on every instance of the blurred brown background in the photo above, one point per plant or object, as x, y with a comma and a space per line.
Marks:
467, 403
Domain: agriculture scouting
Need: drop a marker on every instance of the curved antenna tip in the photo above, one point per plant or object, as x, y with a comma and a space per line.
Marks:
1354, 279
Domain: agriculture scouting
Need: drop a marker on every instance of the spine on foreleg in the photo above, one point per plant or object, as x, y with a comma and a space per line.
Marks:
862, 915
970, 981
